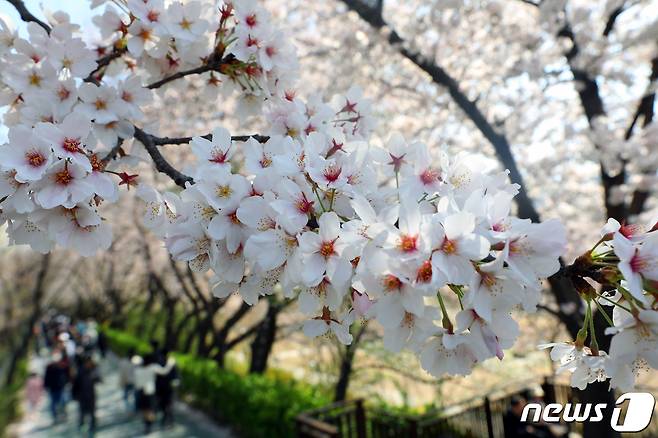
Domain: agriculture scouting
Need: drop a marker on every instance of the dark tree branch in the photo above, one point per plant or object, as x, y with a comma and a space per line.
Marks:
104, 61
612, 19
439, 76
180, 74
645, 110
161, 164
27, 16
116, 150
160, 141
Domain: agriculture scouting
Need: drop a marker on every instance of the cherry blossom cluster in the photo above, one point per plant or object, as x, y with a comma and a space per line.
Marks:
353, 230
620, 272
422, 242
70, 106
53, 173
230, 43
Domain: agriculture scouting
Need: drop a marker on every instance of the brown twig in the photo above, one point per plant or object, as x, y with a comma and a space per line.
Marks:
26, 15
161, 164
160, 141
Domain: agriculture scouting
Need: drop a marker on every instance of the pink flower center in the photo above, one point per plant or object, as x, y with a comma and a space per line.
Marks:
408, 243
332, 173
71, 145
251, 20
153, 15
218, 156
234, 218
35, 158
270, 51
630, 230
327, 249
449, 246
424, 274
63, 177
303, 204
391, 282
63, 93
396, 162
430, 176
498, 227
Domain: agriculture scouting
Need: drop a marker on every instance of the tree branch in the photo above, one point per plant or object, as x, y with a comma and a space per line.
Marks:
27, 16
181, 74
161, 164
160, 141
439, 76
610, 24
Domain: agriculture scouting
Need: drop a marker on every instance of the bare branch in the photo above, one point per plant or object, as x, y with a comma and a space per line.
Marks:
27, 16
610, 24
441, 77
161, 164
180, 74
160, 141
104, 61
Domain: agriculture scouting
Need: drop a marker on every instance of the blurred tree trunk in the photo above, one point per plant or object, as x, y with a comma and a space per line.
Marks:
261, 346
346, 364
37, 296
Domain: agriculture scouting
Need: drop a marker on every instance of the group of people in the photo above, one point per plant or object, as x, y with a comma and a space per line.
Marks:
151, 381
72, 373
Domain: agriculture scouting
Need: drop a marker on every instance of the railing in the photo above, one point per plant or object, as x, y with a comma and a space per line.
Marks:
478, 418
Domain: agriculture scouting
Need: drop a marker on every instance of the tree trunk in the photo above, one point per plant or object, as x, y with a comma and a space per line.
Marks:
169, 341
37, 298
261, 346
345, 373
340, 391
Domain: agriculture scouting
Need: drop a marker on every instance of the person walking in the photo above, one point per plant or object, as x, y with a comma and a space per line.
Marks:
84, 391
55, 380
164, 388
127, 377
145, 375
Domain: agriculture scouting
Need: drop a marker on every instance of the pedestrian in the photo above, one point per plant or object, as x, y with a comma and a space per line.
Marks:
164, 388
127, 377
145, 385
33, 390
84, 391
101, 343
55, 380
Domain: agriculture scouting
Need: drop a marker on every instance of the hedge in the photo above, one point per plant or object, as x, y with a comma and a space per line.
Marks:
10, 398
254, 405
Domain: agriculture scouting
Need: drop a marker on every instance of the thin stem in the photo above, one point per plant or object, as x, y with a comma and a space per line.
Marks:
317, 195
333, 197
582, 333
593, 344
614, 302
447, 324
604, 313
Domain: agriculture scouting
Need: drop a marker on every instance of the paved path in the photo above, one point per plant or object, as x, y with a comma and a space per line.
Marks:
113, 420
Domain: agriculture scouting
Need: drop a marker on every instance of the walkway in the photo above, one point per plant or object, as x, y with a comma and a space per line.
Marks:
113, 420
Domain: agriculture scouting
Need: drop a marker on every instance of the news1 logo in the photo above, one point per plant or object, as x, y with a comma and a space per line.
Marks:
638, 414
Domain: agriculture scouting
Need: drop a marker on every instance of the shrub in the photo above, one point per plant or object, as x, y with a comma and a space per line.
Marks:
10, 398
255, 405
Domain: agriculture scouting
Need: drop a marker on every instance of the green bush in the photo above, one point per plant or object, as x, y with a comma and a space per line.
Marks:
10, 399
255, 405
